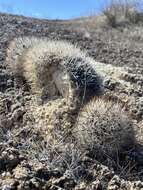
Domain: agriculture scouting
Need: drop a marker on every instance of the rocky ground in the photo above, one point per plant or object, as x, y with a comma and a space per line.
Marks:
27, 161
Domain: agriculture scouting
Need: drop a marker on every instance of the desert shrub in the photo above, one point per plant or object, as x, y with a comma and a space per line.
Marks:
122, 11
103, 129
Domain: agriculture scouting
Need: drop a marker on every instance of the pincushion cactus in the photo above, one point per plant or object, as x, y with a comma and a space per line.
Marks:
103, 128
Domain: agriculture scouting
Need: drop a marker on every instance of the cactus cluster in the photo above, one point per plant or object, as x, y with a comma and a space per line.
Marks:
58, 68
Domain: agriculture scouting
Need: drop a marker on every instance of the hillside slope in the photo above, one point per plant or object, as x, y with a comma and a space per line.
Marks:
24, 155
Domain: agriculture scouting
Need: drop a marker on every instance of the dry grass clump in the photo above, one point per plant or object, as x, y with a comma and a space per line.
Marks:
53, 68
56, 150
122, 11
103, 129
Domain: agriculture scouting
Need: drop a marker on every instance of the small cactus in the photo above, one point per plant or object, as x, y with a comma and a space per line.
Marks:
103, 128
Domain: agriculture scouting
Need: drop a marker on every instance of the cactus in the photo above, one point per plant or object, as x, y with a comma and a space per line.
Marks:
53, 68
103, 128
